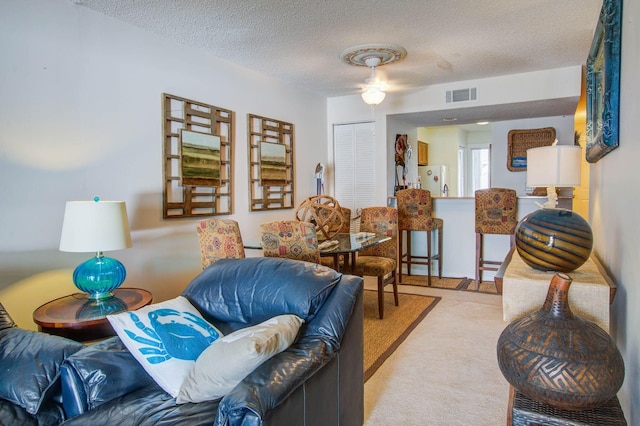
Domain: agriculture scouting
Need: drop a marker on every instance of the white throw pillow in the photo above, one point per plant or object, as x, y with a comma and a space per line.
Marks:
231, 358
166, 338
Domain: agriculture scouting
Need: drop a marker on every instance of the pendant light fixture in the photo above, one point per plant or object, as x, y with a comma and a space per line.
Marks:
373, 92
372, 56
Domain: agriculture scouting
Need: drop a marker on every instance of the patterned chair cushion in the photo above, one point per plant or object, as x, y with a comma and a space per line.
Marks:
382, 221
291, 239
496, 211
374, 266
415, 210
219, 239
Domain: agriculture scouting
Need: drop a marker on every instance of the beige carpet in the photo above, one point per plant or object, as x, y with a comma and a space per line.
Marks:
445, 373
382, 337
466, 284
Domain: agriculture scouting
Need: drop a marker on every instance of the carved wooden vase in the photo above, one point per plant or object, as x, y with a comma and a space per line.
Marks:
555, 357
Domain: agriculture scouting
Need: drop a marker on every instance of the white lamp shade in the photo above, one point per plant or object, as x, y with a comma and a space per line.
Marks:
94, 226
557, 165
373, 95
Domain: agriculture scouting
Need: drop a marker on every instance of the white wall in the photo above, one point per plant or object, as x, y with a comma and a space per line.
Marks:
614, 212
503, 177
561, 83
80, 114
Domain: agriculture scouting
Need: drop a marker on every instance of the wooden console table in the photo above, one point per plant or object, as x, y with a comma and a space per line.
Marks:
524, 290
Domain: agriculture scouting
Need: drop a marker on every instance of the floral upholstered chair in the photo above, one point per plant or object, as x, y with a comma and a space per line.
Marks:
346, 223
496, 213
415, 213
381, 260
291, 239
219, 239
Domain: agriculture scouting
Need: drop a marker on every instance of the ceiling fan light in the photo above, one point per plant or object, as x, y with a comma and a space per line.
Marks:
372, 56
372, 95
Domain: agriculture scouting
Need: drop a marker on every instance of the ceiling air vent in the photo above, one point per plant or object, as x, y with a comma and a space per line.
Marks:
461, 95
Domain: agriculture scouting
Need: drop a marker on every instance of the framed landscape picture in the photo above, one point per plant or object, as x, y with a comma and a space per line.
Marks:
200, 158
603, 83
273, 164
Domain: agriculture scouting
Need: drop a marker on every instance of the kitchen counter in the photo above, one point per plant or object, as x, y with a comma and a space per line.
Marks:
459, 237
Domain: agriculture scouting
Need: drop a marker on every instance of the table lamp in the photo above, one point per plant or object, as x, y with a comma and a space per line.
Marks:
553, 239
96, 226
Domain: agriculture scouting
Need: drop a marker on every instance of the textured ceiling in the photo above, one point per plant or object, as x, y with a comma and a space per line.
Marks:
299, 41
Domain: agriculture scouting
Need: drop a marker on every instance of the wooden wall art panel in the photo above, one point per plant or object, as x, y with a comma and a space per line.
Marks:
271, 168
197, 146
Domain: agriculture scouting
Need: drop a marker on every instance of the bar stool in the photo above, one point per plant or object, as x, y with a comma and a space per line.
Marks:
415, 213
496, 213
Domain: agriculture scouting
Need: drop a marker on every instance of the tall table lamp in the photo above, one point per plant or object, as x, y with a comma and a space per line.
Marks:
554, 239
96, 226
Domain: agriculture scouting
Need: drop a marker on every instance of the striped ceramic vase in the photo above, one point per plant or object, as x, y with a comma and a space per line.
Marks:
554, 240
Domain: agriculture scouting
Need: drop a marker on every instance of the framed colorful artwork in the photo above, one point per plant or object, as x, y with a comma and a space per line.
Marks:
273, 164
603, 83
200, 155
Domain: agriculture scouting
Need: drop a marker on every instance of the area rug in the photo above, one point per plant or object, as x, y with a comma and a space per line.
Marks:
383, 336
465, 284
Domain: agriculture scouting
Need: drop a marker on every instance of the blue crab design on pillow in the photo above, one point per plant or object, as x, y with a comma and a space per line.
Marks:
172, 334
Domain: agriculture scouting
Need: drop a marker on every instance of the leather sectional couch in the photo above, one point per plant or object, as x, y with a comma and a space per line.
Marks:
318, 380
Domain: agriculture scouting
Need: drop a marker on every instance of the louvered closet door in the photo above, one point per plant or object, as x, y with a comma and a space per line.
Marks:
354, 162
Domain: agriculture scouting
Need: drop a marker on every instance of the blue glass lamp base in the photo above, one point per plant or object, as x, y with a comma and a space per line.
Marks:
99, 276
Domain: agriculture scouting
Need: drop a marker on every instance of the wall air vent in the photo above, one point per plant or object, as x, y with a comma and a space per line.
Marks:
461, 95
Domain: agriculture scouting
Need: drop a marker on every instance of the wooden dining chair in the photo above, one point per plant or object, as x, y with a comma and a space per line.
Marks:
381, 260
291, 239
496, 212
219, 239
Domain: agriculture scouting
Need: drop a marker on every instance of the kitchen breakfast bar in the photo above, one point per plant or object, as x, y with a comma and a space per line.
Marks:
459, 238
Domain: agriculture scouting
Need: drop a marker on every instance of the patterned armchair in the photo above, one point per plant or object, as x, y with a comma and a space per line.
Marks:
415, 213
291, 239
496, 213
381, 260
219, 239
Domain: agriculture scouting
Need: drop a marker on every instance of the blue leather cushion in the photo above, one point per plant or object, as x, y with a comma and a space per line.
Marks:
99, 373
252, 290
30, 364
50, 414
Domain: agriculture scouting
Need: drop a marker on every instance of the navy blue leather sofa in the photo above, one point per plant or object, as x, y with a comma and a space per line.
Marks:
317, 381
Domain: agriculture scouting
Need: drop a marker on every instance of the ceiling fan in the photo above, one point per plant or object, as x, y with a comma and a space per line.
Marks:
373, 55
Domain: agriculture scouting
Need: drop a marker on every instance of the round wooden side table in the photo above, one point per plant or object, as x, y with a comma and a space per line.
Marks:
79, 318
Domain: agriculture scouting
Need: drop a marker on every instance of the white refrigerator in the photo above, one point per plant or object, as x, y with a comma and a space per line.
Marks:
434, 179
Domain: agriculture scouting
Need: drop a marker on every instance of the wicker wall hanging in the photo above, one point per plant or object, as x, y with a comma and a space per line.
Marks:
197, 141
271, 168
519, 141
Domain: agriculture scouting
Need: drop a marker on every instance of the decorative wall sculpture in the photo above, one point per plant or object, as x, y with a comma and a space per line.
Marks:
271, 168
197, 141
519, 141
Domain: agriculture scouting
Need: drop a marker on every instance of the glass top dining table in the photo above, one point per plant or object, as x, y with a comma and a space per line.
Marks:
348, 244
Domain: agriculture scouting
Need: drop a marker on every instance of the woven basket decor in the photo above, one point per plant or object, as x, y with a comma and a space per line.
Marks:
519, 141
